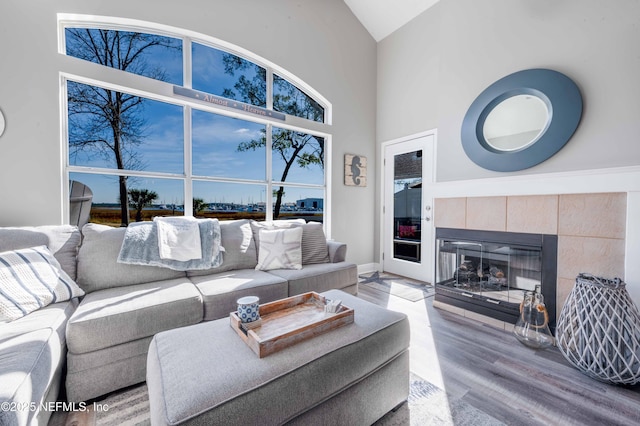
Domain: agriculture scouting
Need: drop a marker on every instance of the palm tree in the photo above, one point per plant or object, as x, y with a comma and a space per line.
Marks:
140, 198
198, 205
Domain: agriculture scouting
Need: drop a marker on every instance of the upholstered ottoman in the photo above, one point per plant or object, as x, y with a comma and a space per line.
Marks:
205, 374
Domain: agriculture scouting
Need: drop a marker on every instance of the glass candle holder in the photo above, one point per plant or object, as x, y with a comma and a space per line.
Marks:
532, 327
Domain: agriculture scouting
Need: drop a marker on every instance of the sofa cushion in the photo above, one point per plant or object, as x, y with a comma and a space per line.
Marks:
100, 372
31, 279
280, 249
319, 277
239, 248
32, 354
62, 240
117, 315
220, 291
54, 316
97, 262
28, 364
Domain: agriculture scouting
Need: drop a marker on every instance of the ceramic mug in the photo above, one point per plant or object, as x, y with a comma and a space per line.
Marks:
248, 308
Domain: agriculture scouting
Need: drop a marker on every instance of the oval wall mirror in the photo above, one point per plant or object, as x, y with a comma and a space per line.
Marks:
515, 123
521, 120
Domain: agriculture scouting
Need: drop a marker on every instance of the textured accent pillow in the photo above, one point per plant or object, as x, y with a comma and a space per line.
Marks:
280, 249
31, 279
314, 244
256, 226
62, 240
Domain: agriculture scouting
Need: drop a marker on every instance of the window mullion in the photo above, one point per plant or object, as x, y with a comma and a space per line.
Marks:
269, 91
188, 169
268, 138
188, 164
269, 195
187, 63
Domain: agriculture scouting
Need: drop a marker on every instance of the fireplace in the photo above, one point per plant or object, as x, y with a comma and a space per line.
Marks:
488, 272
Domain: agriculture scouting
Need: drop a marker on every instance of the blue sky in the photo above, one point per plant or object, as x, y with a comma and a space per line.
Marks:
215, 140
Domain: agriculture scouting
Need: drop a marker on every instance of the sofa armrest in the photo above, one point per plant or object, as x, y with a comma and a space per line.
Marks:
337, 251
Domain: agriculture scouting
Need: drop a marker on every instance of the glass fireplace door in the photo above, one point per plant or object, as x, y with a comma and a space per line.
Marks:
497, 271
488, 272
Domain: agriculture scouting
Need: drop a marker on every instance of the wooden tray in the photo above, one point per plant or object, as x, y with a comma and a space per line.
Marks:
289, 321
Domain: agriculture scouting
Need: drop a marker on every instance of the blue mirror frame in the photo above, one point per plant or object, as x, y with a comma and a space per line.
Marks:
564, 103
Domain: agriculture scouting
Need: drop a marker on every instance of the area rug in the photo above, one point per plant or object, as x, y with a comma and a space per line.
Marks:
129, 407
427, 405
405, 288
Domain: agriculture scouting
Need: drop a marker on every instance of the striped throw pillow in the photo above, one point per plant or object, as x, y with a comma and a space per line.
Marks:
31, 279
314, 244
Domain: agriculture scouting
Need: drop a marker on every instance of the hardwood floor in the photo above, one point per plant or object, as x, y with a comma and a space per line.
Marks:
490, 370
485, 368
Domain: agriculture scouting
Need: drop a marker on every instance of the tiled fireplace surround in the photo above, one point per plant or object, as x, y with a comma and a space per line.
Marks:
590, 229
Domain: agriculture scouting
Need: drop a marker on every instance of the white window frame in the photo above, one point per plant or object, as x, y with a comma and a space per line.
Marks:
93, 74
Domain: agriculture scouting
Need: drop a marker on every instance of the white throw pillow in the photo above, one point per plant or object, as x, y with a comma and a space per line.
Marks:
31, 279
280, 249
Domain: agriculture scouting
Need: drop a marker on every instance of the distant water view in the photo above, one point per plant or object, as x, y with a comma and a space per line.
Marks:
109, 214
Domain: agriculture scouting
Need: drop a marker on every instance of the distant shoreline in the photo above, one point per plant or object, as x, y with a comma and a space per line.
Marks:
111, 215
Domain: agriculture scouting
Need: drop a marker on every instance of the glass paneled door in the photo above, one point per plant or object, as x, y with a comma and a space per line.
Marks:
408, 228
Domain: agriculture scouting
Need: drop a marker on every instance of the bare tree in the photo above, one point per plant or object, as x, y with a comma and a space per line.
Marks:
107, 123
289, 146
293, 147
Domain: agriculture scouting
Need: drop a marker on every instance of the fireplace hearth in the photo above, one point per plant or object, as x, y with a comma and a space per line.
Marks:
488, 272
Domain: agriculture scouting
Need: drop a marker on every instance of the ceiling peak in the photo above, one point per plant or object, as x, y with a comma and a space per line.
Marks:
382, 17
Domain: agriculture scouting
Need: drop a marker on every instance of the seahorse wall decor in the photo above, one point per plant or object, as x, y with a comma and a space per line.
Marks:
355, 170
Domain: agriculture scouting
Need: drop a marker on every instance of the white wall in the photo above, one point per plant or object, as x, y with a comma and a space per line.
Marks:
320, 42
632, 265
431, 70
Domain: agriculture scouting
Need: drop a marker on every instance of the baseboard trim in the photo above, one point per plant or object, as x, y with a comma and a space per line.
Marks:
368, 267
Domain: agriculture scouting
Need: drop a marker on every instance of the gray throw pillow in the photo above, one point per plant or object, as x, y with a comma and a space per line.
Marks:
314, 244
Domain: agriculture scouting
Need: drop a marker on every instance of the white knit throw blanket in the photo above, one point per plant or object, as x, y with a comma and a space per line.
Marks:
178, 238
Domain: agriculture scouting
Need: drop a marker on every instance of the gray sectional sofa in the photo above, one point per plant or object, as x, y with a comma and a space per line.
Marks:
105, 337
33, 348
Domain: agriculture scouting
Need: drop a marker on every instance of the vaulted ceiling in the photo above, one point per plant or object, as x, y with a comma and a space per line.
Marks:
382, 17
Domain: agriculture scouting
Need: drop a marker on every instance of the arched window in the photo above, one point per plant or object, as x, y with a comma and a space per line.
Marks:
182, 123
